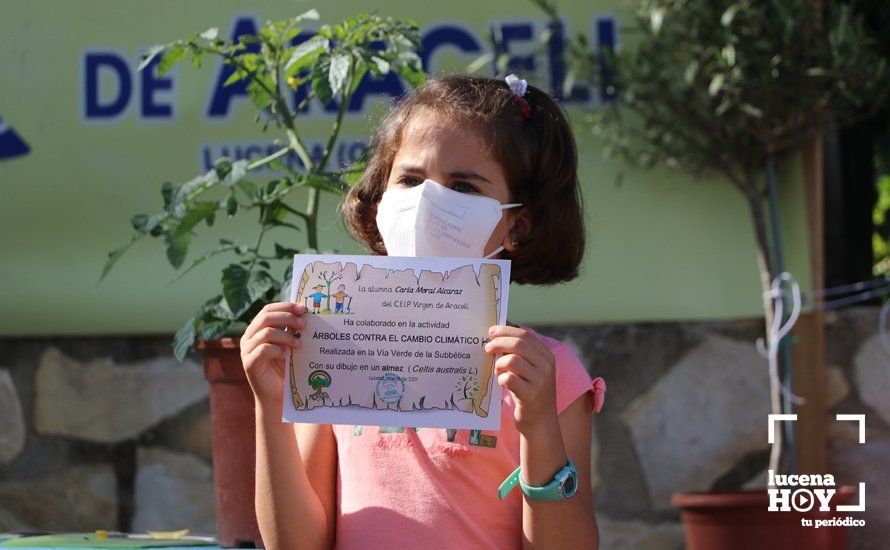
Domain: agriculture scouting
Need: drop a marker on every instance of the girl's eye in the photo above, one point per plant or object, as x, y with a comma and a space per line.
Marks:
408, 181
463, 187
460, 187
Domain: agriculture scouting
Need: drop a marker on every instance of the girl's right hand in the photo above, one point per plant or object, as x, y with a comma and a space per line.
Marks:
263, 349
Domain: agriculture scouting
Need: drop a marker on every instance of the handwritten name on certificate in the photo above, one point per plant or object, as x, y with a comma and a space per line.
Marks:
396, 341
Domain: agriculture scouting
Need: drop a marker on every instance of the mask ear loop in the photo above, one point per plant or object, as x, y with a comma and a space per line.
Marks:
495, 252
500, 248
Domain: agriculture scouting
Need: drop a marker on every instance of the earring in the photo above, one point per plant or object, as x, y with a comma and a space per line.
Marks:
515, 243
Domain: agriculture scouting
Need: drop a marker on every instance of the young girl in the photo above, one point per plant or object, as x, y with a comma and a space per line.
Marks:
457, 142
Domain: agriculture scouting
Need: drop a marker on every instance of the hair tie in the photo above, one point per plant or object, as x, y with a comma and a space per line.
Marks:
518, 87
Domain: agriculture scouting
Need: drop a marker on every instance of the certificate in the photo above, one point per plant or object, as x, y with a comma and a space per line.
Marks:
396, 341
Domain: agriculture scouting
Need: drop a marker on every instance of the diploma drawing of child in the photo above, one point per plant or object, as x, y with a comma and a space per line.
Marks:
340, 296
317, 297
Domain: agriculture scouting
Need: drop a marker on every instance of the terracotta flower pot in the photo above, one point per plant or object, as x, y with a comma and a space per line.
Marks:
234, 438
740, 520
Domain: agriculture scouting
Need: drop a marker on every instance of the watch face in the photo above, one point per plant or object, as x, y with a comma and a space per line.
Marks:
569, 485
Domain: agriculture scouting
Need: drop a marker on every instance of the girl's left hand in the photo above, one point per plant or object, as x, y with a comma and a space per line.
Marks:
527, 369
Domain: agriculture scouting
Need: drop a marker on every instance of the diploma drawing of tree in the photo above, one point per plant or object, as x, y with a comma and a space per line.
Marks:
319, 380
468, 386
329, 280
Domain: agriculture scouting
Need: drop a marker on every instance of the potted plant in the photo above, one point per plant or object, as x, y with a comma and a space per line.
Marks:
326, 65
735, 87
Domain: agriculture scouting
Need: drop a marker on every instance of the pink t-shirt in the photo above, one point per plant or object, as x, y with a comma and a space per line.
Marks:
427, 487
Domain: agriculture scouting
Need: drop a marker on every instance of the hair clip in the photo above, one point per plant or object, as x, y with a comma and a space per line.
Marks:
518, 87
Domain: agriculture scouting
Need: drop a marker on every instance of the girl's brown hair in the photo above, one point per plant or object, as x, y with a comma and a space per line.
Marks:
538, 155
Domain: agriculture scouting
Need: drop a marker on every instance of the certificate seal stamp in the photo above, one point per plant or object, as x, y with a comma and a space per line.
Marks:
390, 388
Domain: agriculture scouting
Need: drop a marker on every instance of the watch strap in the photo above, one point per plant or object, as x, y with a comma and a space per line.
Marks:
548, 492
508, 484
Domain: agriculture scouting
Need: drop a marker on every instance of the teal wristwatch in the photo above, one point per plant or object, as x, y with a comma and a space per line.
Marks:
563, 486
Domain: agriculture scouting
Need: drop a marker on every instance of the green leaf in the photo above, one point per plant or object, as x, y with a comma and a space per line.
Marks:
248, 187
280, 223
215, 309
197, 212
218, 308
238, 171
286, 282
179, 238
210, 34
284, 252
139, 222
231, 206
258, 95
236, 76
168, 192
338, 72
381, 64
193, 188
226, 246
354, 171
184, 339
357, 78
308, 14
242, 288
305, 54
214, 329
320, 82
174, 55
149, 55
412, 70
222, 166
177, 247
115, 255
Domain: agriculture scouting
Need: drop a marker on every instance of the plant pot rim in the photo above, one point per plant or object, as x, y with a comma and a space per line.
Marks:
736, 499
227, 342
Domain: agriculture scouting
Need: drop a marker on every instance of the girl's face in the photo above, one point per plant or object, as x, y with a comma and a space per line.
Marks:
452, 155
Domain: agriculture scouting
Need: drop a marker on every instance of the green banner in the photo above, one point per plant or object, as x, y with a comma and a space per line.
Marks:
86, 141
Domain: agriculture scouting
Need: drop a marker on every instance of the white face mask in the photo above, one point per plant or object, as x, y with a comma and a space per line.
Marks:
432, 220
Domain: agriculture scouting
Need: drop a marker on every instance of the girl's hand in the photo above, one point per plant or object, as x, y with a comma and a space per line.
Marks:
527, 369
263, 349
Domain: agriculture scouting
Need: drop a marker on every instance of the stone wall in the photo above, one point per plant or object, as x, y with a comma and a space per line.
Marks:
112, 433
103, 433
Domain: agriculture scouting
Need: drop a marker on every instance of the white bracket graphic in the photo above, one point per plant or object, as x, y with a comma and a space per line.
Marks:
860, 418
855, 507
855, 418
771, 428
